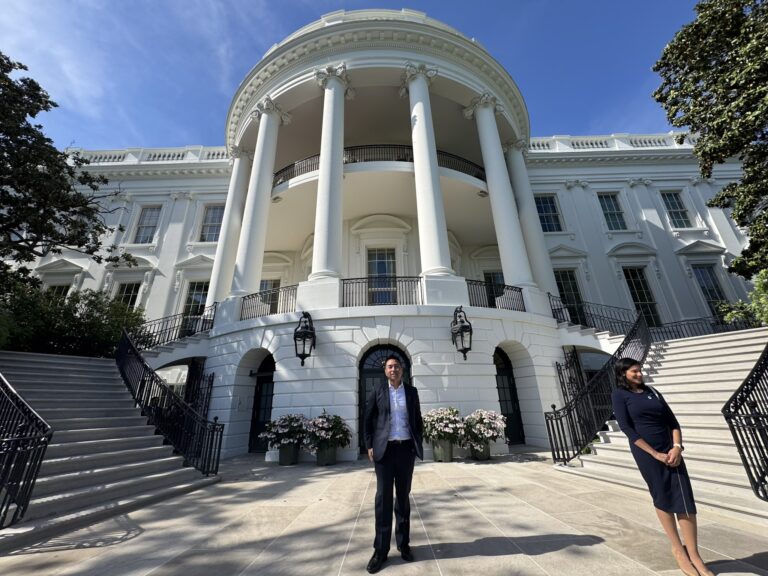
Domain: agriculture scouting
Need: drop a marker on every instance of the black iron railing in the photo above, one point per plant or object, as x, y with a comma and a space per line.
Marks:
491, 295
699, 327
197, 439
574, 426
197, 393
746, 413
164, 330
266, 302
379, 153
571, 375
24, 437
598, 316
381, 291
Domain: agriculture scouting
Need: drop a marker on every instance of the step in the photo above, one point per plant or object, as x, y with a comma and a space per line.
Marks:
62, 413
67, 482
717, 387
736, 336
695, 417
94, 446
53, 466
60, 425
691, 377
60, 503
58, 379
709, 445
703, 402
30, 532
744, 349
64, 436
86, 388
83, 403
41, 394
715, 357
695, 460
711, 369
58, 370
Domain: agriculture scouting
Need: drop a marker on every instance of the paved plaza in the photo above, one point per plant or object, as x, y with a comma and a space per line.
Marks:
514, 515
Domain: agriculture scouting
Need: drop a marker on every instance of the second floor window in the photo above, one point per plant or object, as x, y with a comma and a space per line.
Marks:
548, 214
614, 216
196, 295
128, 293
147, 226
211, 228
678, 215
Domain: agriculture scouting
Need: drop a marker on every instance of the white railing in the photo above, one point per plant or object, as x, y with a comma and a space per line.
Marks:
611, 142
187, 154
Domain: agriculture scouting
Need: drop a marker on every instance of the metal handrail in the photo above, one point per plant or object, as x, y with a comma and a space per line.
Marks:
574, 426
24, 438
746, 413
164, 330
599, 316
197, 439
276, 301
381, 291
492, 295
379, 153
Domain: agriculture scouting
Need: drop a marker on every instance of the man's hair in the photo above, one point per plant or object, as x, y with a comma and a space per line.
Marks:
392, 357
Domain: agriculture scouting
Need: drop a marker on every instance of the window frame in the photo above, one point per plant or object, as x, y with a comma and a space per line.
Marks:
135, 231
691, 215
200, 227
616, 195
558, 212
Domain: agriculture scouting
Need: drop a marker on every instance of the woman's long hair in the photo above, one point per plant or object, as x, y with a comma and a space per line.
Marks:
621, 367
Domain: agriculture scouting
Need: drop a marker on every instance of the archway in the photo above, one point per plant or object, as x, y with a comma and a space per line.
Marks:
510, 405
372, 372
262, 403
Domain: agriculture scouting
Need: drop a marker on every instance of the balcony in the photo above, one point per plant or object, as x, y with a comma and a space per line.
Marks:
379, 153
266, 302
490, 295
381, 291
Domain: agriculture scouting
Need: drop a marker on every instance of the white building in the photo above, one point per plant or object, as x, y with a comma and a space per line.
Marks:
383, 143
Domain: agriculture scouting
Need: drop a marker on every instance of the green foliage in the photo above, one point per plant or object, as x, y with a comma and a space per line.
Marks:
85, 323
715, 82
49, 202
756, 308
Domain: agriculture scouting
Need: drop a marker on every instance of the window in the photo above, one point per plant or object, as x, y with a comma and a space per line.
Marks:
211, 228
678, 215
271, 299
60, 290
614, 217
382, 287
128, 293
494, 286
642, 295
570, 294
196, 295
147, 226
710, 287
548, 214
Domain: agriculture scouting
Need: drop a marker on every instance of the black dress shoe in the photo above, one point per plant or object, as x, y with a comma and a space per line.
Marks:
405, 553
376, 562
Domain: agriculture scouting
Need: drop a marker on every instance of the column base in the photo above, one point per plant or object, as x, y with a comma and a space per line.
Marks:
445, 290
317, 294
228, 311
536, 301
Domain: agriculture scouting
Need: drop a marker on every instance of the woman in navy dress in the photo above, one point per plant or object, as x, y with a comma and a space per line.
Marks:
657, 445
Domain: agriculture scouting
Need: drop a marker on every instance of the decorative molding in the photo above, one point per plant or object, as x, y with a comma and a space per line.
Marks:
576, 183
412, 71
268, 106
177, 282
632, 182
485, 99
322, 75
655, 265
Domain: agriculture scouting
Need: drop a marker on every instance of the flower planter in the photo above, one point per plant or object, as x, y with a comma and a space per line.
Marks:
326, 455
442, 450
484, 454
289, 454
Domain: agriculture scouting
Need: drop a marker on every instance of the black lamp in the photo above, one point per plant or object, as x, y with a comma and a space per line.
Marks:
304, 337
461, 332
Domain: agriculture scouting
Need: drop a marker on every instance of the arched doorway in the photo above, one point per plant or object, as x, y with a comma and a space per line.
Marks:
372, 372
510, 406
262, 403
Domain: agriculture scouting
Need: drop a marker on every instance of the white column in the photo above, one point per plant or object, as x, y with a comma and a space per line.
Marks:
231, 223
250, 250
514, 256
326, 251
538, 254
433, 232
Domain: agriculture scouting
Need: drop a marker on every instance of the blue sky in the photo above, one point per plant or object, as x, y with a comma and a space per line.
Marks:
151, 73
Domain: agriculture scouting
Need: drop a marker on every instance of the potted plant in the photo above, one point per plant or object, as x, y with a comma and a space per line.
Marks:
324, 434
444, 428
287, 435
480, 429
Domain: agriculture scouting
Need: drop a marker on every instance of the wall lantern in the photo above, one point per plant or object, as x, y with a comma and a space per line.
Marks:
304, 337
461, 332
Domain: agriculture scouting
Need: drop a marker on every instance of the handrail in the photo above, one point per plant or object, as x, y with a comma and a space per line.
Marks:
381, 291
746, 413
275, 301
379, 153
24, 438
491, 295
599, 316
574, 426
198, 440
170, 328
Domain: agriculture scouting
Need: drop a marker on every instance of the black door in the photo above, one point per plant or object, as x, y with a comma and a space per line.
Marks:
371, 372
262, 404
510, 406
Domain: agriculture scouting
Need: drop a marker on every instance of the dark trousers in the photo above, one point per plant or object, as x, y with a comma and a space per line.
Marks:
395, 469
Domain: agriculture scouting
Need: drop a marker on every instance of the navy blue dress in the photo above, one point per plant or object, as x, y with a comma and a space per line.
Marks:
649, 417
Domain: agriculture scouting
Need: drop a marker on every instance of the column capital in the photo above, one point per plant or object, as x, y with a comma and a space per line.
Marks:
576, 183
485, 99
236, 152
411, 72
520, 144
632, 182
323, 75
268, 106
698, 179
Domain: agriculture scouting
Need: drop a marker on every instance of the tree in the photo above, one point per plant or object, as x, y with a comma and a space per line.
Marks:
715, 82
48, 203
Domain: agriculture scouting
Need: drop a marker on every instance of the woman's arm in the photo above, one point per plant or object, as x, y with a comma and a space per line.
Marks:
627, 426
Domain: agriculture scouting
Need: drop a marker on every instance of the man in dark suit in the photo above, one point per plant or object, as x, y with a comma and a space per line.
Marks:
393, 437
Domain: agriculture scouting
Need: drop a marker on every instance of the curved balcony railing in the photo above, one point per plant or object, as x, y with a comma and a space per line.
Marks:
164, 330
381, 291
598, 316
266, 302
379, 153
490, 295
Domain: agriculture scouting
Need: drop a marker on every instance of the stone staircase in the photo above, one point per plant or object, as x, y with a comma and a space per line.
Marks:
103, 459
696, 376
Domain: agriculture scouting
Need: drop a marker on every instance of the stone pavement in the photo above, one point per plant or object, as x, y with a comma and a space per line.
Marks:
514, 515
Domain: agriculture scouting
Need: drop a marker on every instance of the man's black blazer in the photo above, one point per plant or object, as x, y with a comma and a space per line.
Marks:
377, 419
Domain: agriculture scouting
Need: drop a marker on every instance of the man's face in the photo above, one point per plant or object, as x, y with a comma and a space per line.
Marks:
393, 371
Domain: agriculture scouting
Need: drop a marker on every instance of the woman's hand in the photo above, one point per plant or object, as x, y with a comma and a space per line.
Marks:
661, 457
674, 457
